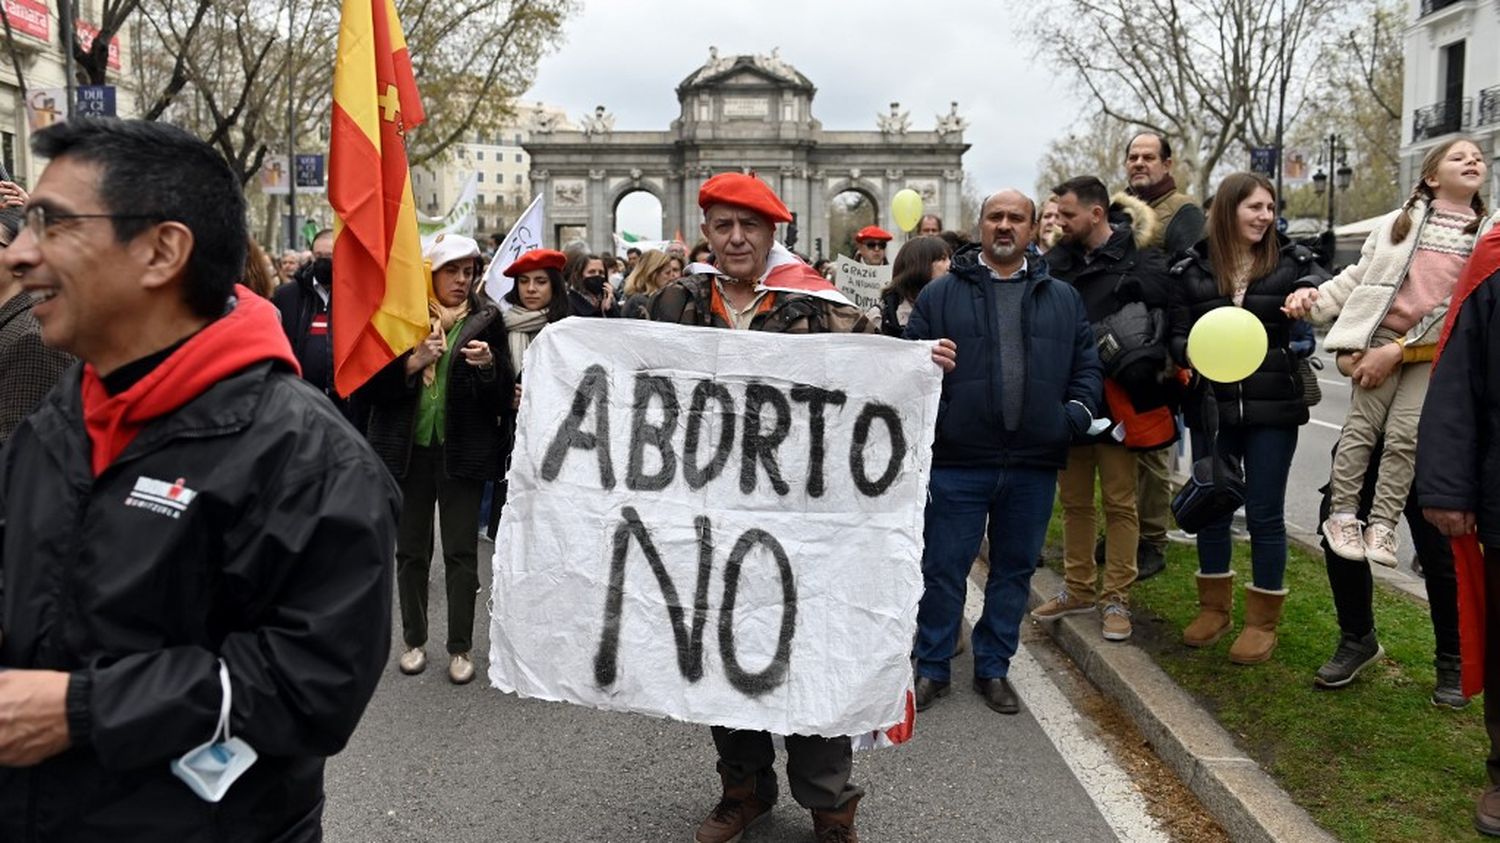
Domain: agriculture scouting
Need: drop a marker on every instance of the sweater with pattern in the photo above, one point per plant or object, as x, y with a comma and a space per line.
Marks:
1443, 247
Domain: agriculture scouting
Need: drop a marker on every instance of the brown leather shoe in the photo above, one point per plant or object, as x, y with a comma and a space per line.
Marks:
736, 811
1487, 812
836, 826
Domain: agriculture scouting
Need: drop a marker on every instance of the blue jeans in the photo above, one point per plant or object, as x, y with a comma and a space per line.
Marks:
1018, 504
1266, 453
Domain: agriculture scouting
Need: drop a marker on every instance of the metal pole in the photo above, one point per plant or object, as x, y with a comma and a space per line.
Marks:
291, 126
66, 23
1332, 177
1281, 115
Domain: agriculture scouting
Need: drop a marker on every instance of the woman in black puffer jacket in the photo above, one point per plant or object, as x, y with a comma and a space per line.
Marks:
1245, 263
436, 422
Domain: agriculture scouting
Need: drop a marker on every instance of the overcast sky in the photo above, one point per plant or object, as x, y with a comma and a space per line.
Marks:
630, 57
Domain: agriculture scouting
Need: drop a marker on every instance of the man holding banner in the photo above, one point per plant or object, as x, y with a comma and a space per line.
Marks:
765, 288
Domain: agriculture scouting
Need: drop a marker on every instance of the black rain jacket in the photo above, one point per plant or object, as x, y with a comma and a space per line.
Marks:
278, 562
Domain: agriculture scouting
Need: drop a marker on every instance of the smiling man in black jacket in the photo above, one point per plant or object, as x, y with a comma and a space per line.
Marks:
186, 523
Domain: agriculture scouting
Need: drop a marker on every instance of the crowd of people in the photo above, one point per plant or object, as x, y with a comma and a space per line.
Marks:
1061, 330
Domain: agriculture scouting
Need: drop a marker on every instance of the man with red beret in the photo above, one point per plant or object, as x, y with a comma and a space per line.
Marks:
870, 245
764, 287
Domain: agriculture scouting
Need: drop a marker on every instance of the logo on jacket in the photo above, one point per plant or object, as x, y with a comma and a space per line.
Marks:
161, 497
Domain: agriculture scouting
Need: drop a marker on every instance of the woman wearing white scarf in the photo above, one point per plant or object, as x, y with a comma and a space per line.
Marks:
438, 413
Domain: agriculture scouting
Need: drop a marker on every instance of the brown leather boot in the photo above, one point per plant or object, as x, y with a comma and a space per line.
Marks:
836, 826
1215, 600
737, 809
1258, 638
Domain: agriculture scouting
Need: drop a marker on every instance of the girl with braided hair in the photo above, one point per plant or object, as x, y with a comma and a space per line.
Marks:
1387, 312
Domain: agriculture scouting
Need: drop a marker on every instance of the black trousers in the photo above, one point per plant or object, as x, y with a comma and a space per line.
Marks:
817, 768
1492, 659
1353, 585
426, 483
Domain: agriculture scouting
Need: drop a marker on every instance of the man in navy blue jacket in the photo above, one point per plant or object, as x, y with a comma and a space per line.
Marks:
1028, 382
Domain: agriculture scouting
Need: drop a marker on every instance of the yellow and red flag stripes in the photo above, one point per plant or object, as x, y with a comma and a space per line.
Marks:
380, 307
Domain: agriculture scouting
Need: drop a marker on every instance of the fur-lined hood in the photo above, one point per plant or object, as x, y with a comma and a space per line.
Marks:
1143, 220
1123, 208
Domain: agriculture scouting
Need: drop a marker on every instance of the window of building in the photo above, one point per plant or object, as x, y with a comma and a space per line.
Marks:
1452, 78
518, 139
479, 156
481, 177
518, 178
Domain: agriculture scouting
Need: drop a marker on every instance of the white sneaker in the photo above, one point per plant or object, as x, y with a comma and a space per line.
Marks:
1381, 544
1344, 538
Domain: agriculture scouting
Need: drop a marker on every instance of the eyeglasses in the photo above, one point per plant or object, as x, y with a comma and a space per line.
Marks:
874, 244
39, 219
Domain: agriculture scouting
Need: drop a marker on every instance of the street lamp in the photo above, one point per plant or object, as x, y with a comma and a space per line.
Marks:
1343, 174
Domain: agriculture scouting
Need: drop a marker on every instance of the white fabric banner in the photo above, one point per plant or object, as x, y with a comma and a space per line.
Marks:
722, 527
524, 236
861, 282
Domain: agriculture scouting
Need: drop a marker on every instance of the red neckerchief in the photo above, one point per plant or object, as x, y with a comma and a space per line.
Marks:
249, 334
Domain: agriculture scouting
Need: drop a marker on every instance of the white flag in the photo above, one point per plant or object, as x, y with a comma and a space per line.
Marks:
460, 219
524, 236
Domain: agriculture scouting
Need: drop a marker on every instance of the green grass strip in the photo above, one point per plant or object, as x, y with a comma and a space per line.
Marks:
1375, 761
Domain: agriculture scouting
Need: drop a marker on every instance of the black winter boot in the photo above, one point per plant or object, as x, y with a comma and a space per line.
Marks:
1449, 691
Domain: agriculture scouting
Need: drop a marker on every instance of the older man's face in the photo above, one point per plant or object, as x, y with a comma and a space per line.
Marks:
1143, 162
741, 239
1005, 225
929, 226
871, 251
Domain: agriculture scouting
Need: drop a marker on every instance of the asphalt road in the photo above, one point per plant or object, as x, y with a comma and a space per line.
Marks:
435, 762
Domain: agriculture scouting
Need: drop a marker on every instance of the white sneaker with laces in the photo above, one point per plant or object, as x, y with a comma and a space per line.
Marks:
1345, 538
1381, 545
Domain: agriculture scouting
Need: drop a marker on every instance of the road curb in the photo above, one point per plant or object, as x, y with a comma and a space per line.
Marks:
1250, 805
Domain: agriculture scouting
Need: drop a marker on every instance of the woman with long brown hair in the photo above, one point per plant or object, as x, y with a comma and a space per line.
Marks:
1244, 263
1387, 312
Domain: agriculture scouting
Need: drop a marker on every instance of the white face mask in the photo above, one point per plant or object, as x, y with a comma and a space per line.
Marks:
209, 769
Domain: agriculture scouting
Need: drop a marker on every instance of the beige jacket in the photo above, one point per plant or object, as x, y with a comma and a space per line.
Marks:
1357, 300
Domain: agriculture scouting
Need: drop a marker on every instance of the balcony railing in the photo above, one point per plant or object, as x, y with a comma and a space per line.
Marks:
1441, 118
1489, 107
1430, 6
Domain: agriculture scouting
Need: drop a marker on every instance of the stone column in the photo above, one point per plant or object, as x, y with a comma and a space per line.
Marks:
600, 213
952, 198
541, 186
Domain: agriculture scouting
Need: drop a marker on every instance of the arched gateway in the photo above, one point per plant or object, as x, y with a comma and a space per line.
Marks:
742, 113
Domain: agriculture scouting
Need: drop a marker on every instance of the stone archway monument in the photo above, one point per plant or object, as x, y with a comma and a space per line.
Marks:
743, 113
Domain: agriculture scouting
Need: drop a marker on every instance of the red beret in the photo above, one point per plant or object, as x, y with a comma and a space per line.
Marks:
743, 191
536, 259
874, 232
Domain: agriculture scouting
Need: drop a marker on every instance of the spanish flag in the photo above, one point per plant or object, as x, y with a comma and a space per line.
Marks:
380, 305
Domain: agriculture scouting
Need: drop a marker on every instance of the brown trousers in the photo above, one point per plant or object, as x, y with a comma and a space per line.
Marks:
1116, 469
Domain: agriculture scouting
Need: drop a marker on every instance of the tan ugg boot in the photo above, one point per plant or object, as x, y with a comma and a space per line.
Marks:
1215, 600
1258, 638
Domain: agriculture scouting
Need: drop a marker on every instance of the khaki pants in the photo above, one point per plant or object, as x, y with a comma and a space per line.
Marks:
1116, 467
1153, 495
1393, 408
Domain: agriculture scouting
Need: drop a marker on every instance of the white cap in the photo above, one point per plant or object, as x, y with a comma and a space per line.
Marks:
447, 248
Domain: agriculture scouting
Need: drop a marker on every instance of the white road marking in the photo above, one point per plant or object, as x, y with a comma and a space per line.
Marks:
1106, 782
1329, 425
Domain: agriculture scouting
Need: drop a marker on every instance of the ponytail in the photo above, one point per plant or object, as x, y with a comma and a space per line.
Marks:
1402, 226
1480, 212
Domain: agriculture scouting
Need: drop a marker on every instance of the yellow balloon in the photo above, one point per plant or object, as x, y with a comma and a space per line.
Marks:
1227, 344
906, 209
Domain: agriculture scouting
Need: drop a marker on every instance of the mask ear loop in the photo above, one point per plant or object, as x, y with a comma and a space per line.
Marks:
223, 725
